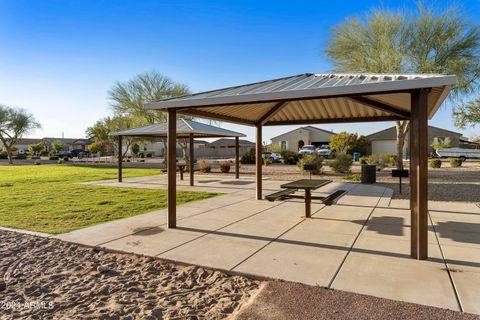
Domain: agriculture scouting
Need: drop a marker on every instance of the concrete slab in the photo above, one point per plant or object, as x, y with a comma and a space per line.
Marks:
385, 269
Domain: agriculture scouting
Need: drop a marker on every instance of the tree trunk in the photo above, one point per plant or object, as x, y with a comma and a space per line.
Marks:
402, 130
10, 155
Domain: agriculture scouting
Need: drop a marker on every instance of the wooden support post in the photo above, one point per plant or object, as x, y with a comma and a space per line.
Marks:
120, 158
259, 161
191, 165
237, 157
419, 174
172, 168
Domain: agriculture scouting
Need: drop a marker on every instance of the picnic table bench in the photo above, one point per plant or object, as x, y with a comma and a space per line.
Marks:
308, 185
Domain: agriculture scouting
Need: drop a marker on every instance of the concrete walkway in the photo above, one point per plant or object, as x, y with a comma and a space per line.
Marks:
361, 244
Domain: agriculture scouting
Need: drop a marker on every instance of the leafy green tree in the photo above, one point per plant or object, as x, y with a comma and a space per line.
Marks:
467, 114
135, 149
442, 144
417, 41
343, 142
129, 98
37, 148
97, 147
14, 124
57, 146
100, 131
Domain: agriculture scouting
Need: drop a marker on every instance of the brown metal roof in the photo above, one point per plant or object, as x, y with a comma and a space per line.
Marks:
314, 98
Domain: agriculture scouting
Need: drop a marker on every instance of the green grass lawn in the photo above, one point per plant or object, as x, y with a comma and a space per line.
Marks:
50, 198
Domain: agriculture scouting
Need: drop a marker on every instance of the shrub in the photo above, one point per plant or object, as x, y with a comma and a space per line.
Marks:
435, 163
204, 166
455, 162
37, 162
66, 159
342, 163
225, 166
54, 158
392, 159
289, 157
149, 155
44, 153
267, 161
314, 160
3, 154
21, 156
353, 177
248, 158
381, 160
60, 161
363, 160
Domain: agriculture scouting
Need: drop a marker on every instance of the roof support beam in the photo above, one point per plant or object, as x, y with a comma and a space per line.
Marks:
381, 106
208, 115
276, 108
338, 120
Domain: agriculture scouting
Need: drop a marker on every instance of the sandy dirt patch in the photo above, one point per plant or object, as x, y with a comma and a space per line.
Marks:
46, 278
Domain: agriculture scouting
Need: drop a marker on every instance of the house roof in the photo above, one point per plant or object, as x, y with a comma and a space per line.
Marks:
391, 133
184, 129
29, 141
310, 128
225, 140
314, 98
68, 140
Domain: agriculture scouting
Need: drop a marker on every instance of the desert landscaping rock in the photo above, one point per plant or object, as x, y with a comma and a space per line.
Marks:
62, 280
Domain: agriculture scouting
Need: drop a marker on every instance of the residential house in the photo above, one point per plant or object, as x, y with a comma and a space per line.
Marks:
69, 144
230, 143
22, 144
297, 138
385, 141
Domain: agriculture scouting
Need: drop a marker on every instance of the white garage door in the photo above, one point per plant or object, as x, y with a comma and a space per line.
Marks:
385, 146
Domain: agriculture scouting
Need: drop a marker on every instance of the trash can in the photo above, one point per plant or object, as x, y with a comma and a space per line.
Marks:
356, 156
369, 173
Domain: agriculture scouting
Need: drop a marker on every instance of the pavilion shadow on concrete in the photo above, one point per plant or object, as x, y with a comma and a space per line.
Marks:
324, 98
186, 129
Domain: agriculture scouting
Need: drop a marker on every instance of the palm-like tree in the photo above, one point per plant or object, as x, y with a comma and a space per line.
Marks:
420, 41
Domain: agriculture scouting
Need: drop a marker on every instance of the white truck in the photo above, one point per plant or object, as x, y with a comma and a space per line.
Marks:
460, 153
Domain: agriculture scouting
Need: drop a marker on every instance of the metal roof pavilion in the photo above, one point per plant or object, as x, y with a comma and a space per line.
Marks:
184, 129
325, 98
314, 98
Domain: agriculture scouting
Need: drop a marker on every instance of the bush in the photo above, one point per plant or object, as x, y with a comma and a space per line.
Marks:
44, 153
37, 162
353, 177
225, 166
21, 156
53, 158
3, 155
392, 159
381, 160
342, 163
267, 161
248, 158
60, 161
363, 160
149, 155
204, 166
314, 160
435, 163
66, 159
289, 157
455, 162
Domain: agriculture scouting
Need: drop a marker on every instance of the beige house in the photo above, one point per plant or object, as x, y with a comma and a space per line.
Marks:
385, 141
297, 138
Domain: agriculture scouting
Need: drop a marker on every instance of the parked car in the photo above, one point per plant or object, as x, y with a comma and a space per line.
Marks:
63, 154
24, 151
324, 151
307, 149
77, 152
273, 156
460, 153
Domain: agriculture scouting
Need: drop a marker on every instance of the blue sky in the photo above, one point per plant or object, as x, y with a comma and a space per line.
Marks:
59, 58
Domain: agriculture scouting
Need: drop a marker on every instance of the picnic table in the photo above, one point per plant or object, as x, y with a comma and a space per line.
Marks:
308, 185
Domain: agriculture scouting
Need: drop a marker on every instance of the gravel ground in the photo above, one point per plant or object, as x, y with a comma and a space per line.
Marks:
286, 300
445, 184
49, 279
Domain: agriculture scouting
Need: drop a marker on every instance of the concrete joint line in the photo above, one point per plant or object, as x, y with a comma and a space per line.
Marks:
454, 287
335, 275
